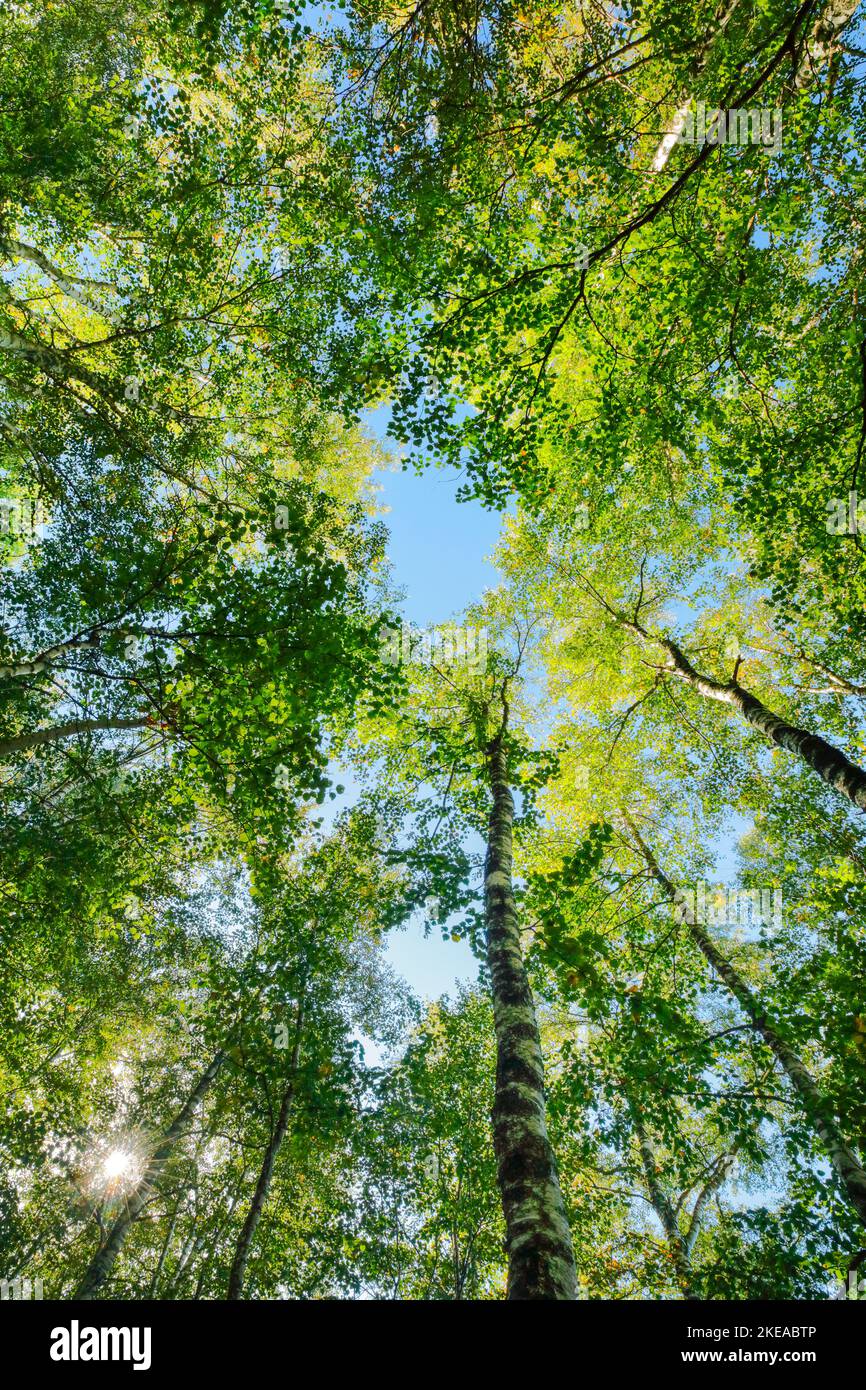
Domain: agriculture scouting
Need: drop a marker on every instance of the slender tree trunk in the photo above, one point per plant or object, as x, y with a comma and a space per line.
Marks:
103, 1261
538, 1240
248, 1230
455, 1260
698, 63
820, 47
166, 1244
823, 42
663, 1206
60, 731
187, 1251
723, 1165
75, 286
830, 763
37, 664
849, 1170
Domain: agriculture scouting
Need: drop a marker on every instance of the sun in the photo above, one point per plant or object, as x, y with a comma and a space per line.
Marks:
112, 1168
118, 1164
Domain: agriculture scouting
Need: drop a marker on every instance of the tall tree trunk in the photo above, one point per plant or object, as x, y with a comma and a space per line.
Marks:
540, 1256
248, 1230
849, 1170
830, 763
663, 1207
103, 1261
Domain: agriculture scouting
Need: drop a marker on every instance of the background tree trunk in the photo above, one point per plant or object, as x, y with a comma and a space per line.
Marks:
850, 1171
663, 1206
248, 1230
830, 763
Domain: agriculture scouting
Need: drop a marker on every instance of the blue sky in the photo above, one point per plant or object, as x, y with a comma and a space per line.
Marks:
438, 548
438, 545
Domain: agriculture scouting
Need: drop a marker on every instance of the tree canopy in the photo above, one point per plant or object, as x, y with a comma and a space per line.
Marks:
604, 264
